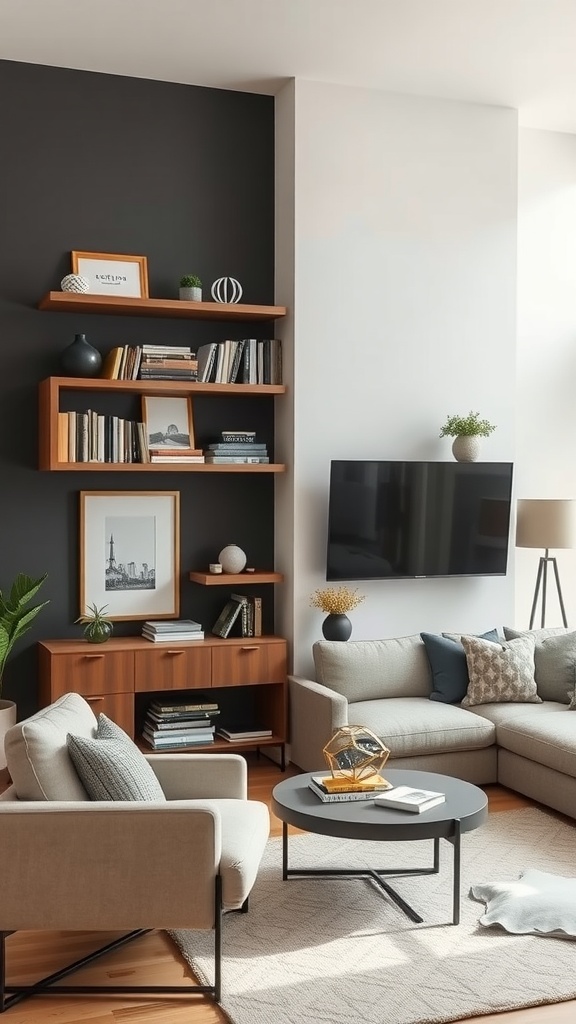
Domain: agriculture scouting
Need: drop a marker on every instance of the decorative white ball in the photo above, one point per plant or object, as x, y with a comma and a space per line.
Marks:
74, 283
232, 559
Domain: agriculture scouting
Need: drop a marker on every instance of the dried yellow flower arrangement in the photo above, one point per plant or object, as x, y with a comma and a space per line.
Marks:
336, 600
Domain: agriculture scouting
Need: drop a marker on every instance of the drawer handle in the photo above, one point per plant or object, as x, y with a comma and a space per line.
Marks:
92, 656
93, 700
254, 647
175, 652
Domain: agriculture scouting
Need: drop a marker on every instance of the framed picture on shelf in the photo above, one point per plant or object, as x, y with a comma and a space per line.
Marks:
168, 422
109, 273
130, 553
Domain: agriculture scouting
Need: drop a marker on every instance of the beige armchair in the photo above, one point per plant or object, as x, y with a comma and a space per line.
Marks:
74, 864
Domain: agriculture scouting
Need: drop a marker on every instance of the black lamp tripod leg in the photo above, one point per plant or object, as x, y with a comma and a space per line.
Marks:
536, 591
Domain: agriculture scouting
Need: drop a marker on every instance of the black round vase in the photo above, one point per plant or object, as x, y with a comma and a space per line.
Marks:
80, 359
337, 627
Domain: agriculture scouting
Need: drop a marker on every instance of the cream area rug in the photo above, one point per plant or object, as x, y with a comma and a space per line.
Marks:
335, 951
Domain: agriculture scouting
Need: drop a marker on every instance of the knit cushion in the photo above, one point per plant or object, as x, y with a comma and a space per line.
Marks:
537, 903
500, 672
111, 767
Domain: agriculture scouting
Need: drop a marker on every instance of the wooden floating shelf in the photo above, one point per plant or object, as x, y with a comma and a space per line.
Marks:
162, 467
115, 305
157, 387
219, 745
243, 579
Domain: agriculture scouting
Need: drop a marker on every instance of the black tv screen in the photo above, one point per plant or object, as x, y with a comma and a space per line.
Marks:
405, 520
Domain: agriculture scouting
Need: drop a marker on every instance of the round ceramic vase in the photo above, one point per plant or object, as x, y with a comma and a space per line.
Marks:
337, 627
98, 632
232, 559
81, 359
466, 448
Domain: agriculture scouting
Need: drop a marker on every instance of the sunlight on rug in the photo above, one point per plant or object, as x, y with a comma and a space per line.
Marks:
334, 951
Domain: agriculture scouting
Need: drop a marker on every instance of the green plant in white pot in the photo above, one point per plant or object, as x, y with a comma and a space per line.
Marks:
16, 617
466, 431
191, 288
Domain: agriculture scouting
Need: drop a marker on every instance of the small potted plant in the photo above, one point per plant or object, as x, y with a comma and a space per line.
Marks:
97, 628
15, 619
336, 601
466, 431
191, 288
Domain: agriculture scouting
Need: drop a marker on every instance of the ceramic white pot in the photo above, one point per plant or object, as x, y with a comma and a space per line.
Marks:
466, 448
191, 294
7, 720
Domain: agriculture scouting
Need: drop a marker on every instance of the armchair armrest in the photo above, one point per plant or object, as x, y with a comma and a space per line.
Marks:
201, 776
108, 865
315, 712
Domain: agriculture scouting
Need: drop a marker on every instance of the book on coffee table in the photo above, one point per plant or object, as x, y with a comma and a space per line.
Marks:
406, 798
317, 783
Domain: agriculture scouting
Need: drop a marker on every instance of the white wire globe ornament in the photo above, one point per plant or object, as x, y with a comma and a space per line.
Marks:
74, 283
226, 289
232, 559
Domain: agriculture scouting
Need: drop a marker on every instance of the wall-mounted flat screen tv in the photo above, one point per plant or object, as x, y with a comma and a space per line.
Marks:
406, 520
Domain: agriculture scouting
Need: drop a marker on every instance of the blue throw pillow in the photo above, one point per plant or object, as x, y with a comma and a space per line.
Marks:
449, 668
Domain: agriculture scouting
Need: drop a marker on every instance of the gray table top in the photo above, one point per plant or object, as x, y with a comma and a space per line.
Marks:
294, 803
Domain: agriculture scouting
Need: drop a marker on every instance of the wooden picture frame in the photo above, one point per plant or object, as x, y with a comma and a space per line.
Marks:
130, 553
110, 273
169, 422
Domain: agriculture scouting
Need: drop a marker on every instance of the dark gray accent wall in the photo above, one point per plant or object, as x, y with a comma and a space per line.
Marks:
185, 176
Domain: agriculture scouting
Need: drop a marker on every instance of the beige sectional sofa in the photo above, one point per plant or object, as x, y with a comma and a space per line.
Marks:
386, 686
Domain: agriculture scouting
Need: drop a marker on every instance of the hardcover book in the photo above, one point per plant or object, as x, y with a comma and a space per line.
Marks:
406, 798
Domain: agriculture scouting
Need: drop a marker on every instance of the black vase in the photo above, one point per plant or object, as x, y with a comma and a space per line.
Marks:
337, 627
80, 359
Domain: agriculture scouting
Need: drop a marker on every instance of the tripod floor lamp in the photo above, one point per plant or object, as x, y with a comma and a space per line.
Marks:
547, 523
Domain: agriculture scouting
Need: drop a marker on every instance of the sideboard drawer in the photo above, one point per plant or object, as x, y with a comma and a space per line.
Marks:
119, 707
92, 672
249, 663
170, 667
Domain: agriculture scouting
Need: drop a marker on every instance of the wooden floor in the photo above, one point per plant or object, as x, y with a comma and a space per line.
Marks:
152, 960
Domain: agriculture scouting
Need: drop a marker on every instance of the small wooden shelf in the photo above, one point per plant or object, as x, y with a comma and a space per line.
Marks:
114, 305
243, 579
219, 745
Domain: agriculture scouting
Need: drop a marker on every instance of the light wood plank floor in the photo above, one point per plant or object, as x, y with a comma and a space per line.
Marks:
153, 960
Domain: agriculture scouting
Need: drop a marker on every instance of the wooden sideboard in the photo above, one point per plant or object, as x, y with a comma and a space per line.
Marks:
122, 676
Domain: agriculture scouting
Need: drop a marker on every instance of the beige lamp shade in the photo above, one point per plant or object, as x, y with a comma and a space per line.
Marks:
546, 523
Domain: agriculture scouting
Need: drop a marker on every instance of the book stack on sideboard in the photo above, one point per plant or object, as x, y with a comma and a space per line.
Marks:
173, 725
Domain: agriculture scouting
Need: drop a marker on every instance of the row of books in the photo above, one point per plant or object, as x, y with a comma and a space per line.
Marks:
91, 437
249, 361
242, 612
172, 630
170, 726
151, 362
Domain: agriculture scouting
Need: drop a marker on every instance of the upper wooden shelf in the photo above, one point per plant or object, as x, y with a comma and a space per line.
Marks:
53, 385
114, 305
232, 579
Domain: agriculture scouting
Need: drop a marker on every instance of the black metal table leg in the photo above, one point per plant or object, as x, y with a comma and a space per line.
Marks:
284, 851
456, 889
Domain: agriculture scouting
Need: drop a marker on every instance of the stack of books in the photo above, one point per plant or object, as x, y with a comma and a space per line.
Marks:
236, 446
168, 362
176, 455
170, 726
333, 790
172, 630
243, 612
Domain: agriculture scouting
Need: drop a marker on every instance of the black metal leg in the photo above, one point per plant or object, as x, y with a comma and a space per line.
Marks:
282, 757
2, 971
436, 856
284, 851
536, 592
559, 589
456, 869
218, 940
544, 589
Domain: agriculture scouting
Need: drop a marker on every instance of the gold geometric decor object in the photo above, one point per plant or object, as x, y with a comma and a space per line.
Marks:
355, 756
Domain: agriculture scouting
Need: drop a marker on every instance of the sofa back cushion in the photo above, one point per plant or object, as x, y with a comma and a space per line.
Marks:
370, 669
37, 753
554, 661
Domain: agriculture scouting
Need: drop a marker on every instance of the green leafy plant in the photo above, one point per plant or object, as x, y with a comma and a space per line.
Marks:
15, 615
97, 627
467, 426
190, 281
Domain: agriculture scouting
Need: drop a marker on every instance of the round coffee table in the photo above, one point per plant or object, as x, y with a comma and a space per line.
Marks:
465, 808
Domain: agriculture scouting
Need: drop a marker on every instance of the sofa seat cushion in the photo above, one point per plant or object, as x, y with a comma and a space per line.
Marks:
37, 753
415, 725
502, 714
371, 669
245, 832
549, 740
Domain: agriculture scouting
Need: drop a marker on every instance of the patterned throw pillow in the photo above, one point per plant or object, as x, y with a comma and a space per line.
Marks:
111, 767
500, 672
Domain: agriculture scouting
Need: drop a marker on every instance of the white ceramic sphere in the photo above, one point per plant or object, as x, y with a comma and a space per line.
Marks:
232, 559
74, 283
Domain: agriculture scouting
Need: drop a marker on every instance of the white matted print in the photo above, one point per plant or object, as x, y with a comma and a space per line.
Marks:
168, 422
110, 273
130, 553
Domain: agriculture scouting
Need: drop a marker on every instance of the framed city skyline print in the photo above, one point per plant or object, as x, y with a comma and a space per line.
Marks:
109, 273
130, 553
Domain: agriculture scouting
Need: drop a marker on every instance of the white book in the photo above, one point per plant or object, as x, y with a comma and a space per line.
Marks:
171, 638
407, 798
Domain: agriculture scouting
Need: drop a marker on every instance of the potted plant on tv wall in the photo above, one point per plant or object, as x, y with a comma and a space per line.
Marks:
466, 431
16, 617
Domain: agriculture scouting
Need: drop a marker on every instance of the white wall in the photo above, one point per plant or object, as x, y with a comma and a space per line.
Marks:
404, 263
546, 373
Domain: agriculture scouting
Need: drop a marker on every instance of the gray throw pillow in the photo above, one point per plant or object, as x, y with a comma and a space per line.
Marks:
500, 672
111, 767
554, 661
537, 903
